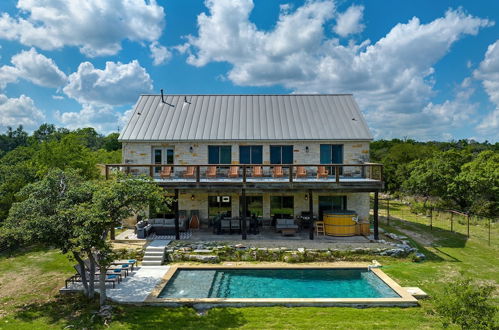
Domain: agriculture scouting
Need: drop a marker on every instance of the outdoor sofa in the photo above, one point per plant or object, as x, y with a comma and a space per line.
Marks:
160, 226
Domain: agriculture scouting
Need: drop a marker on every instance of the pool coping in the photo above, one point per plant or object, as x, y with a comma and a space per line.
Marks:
405, 299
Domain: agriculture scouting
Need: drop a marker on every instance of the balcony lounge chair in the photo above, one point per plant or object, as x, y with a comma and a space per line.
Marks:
301, 172
234, 172
166, 172
277, 172
257, 171
211, 172
322, 172
189, 173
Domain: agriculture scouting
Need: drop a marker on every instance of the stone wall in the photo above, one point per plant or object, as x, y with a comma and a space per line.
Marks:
141, 153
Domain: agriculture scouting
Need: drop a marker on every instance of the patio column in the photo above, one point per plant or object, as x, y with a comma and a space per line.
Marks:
375, 211
243, 223
311, 210
177, 227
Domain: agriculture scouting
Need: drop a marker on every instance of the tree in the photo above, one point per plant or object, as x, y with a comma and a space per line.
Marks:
74, 215
111, 143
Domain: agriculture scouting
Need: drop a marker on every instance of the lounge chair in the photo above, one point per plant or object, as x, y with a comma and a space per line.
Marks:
166, 172
277, 172
257, 171
301, 172
322, 172
77, 278
211, 172
113, 269
234, 172
189, 173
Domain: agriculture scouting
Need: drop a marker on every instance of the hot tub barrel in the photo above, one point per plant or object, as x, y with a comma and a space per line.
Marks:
340, 223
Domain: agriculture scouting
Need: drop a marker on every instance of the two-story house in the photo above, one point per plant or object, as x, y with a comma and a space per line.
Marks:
258, 155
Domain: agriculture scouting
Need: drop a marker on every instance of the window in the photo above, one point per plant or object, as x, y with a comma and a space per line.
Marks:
281, 205
250, 154
332, 203
219, 155
219, 205
254, 206
281, 154
331, 154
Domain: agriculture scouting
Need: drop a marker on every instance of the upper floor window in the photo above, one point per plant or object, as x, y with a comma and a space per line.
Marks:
281, 154
219, 155
331, 154
250, 154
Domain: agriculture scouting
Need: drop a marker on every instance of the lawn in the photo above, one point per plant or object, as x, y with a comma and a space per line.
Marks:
29, 282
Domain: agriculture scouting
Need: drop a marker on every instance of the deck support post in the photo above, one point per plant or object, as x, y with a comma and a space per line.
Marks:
177, 215
243, 221
375, 211
311, 210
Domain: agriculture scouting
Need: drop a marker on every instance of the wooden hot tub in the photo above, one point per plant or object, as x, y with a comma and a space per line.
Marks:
340, 223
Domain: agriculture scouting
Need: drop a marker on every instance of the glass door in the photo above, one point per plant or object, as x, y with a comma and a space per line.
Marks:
162, 156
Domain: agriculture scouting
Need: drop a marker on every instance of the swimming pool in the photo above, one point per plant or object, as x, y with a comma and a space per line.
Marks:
268, 285
276, 283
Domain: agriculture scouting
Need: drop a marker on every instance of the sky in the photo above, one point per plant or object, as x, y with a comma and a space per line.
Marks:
425, 70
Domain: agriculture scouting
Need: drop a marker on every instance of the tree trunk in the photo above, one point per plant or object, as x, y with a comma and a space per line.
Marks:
102, 280
91, 283
83, 274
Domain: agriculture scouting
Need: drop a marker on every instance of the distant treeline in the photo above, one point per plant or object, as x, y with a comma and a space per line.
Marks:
26, 158
461, 175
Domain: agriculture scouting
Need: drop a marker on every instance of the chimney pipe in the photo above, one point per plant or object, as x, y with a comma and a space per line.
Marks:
162, 99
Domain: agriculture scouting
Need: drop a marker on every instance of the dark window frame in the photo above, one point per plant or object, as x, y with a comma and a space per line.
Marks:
281, 154
253, 152
217, 149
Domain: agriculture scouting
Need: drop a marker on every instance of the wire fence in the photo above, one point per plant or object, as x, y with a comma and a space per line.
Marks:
473, 226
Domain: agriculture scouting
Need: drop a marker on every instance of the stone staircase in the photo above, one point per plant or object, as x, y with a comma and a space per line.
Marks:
155, 253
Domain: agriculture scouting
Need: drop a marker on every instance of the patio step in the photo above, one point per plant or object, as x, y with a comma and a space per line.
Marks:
152, 263
154, 255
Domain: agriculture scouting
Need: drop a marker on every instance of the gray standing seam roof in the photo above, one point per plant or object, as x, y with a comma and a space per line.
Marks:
246, 117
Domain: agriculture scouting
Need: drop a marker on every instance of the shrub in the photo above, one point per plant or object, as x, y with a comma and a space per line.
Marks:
467, 304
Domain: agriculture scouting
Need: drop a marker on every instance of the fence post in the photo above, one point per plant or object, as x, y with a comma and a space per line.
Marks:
451, 222
468, 220
431, 218
388, 211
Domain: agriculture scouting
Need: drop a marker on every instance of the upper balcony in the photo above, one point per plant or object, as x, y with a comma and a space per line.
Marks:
354, 177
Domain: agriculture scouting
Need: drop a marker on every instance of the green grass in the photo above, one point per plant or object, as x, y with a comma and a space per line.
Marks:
38, 273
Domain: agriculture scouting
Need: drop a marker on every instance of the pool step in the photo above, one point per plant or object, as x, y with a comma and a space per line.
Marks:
416, 292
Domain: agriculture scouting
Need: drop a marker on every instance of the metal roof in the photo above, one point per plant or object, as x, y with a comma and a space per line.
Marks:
246, 117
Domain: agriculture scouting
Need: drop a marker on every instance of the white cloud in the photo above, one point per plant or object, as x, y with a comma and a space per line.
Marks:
160, 54
117, 84
103, 118
392, 79
19, 111
32, 66
488, 73
38, 69
97, 27
350, 22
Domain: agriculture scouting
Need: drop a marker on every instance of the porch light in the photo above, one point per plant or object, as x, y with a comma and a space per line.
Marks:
306, 149
192, 197
191, 149
306, 197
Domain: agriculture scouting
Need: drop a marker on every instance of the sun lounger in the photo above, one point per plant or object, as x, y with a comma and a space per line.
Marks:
211, 172
322, 172
277, 172
111, 278
189, 173
234, 172
166, 172
113, 269
257, 171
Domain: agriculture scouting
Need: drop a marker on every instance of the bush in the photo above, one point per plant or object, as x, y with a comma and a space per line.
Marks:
467, 304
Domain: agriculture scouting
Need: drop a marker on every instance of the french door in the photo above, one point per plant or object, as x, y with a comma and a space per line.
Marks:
162, 156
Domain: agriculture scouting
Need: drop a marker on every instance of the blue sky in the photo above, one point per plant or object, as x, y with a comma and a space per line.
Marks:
427, 70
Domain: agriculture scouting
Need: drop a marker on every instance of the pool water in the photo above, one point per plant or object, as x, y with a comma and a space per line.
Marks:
276, 283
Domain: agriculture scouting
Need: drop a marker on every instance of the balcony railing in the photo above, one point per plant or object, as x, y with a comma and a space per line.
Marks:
232, 173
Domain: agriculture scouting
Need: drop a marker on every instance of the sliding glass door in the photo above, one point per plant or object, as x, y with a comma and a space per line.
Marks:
162, 156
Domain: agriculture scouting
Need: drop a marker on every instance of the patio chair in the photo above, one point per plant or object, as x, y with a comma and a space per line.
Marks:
166, 172
277, 172
257, 171
225, 225
190, 172
113, 269
322, 172
319, 228
110, 277
301, 172
211, 172
234, 172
